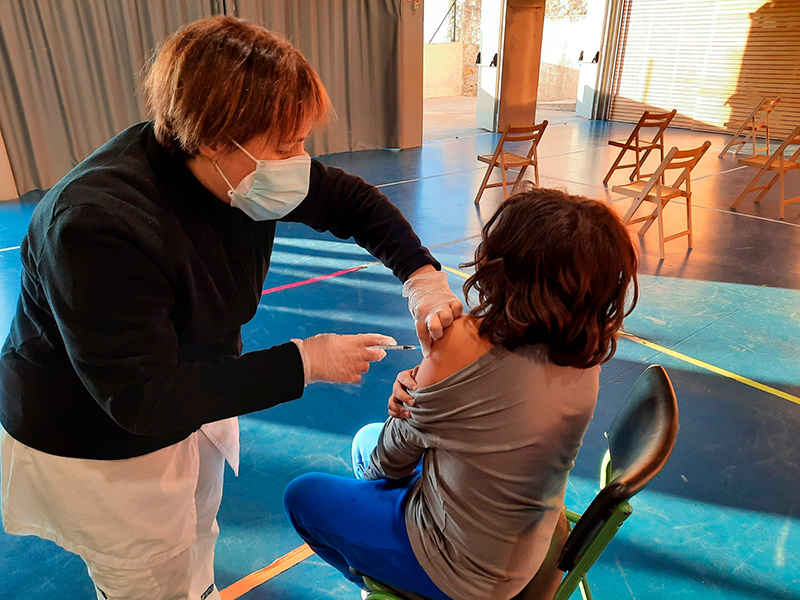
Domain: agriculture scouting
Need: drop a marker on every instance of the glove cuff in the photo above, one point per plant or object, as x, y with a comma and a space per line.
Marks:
304, 358
439, 277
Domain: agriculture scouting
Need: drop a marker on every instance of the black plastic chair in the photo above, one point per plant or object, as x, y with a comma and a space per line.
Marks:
640, 440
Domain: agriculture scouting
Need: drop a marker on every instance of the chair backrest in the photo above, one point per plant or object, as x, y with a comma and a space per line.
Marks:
524, 134
678, 159
790, 140
765, 107
648, 120
640, 440
529, 133
653, 119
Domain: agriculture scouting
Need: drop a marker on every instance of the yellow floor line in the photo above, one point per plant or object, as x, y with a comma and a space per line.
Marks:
714, 369
692, 361
245, 584
456, 271
298, 555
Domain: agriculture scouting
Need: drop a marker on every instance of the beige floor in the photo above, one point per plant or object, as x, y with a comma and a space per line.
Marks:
454, 117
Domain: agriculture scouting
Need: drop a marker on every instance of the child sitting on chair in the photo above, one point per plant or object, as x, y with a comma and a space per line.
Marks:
461, 499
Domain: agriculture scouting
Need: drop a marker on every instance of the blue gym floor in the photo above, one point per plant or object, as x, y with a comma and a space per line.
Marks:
722, 520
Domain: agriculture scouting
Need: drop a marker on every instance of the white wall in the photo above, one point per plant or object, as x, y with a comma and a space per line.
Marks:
442, 70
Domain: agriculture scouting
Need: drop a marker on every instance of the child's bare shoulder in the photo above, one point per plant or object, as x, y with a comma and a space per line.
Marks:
459, 346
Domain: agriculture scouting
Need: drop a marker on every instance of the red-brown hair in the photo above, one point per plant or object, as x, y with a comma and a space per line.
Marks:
222, 78
554, 269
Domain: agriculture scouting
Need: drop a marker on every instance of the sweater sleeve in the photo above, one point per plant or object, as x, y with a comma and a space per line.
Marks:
398, 452
113, 304
347, 206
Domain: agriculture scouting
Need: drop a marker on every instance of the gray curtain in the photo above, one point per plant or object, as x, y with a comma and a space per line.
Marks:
354, 45
70, 76
70, 70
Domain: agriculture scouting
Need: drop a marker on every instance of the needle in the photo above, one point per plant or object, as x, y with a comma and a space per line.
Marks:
398, 347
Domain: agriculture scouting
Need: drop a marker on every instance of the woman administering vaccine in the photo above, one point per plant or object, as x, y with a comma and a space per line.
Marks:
123, 372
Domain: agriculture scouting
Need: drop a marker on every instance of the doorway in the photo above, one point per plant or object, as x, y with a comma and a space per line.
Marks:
450, 76
461, 63
570, 59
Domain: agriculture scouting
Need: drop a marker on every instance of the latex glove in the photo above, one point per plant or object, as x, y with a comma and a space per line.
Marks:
405, 381
340, 358
433, 306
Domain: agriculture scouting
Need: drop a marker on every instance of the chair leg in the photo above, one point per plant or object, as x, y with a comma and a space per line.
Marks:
613, 167
489, 170
689, 219
631, 211
783, 191
743, 144
635, 175
505, 183
648, 224
586, 593
660, 219
766, 190
748, 188
520, 178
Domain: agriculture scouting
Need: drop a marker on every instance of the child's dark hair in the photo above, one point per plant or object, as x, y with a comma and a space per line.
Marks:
554, 269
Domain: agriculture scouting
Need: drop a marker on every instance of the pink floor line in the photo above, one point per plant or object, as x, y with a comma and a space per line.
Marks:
315, 279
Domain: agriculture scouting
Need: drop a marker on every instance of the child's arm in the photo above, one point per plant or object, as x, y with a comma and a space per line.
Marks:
459, 346
402, 442
398, 452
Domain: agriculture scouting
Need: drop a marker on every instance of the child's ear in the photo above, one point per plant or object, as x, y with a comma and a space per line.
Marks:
209, 152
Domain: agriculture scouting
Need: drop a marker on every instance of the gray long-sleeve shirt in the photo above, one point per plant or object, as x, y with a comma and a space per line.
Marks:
498, 439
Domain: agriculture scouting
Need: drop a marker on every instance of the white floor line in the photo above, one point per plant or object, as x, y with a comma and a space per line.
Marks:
391, 183
466, 239
728, 211
620, 196
720, 173
9, 249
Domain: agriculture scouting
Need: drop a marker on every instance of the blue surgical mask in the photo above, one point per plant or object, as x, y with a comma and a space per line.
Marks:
273, 189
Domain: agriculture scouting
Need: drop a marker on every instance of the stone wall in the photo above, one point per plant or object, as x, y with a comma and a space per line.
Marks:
468, 26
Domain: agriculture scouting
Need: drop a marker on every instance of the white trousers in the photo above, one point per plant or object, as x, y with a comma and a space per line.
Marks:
145, 526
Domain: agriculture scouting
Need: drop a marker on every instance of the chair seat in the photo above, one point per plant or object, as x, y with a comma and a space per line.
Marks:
635, 188
760, 160
625, 144
511, 159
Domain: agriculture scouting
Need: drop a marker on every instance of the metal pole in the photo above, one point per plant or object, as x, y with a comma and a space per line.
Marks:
443, 20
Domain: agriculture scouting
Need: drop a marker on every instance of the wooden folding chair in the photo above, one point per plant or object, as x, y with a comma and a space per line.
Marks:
649, 120
509, 160
653, 190
749, 128
777, 163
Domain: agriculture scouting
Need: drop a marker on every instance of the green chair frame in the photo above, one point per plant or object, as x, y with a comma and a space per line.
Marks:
575, 579
651, 398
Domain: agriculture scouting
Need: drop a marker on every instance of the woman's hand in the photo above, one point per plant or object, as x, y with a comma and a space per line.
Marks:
405, 381
432, 304
340, 358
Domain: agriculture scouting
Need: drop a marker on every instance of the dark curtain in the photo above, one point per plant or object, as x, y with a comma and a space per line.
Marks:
70, 74
71, 71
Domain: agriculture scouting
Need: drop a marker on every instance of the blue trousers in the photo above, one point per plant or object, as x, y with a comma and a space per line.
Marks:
358, 523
